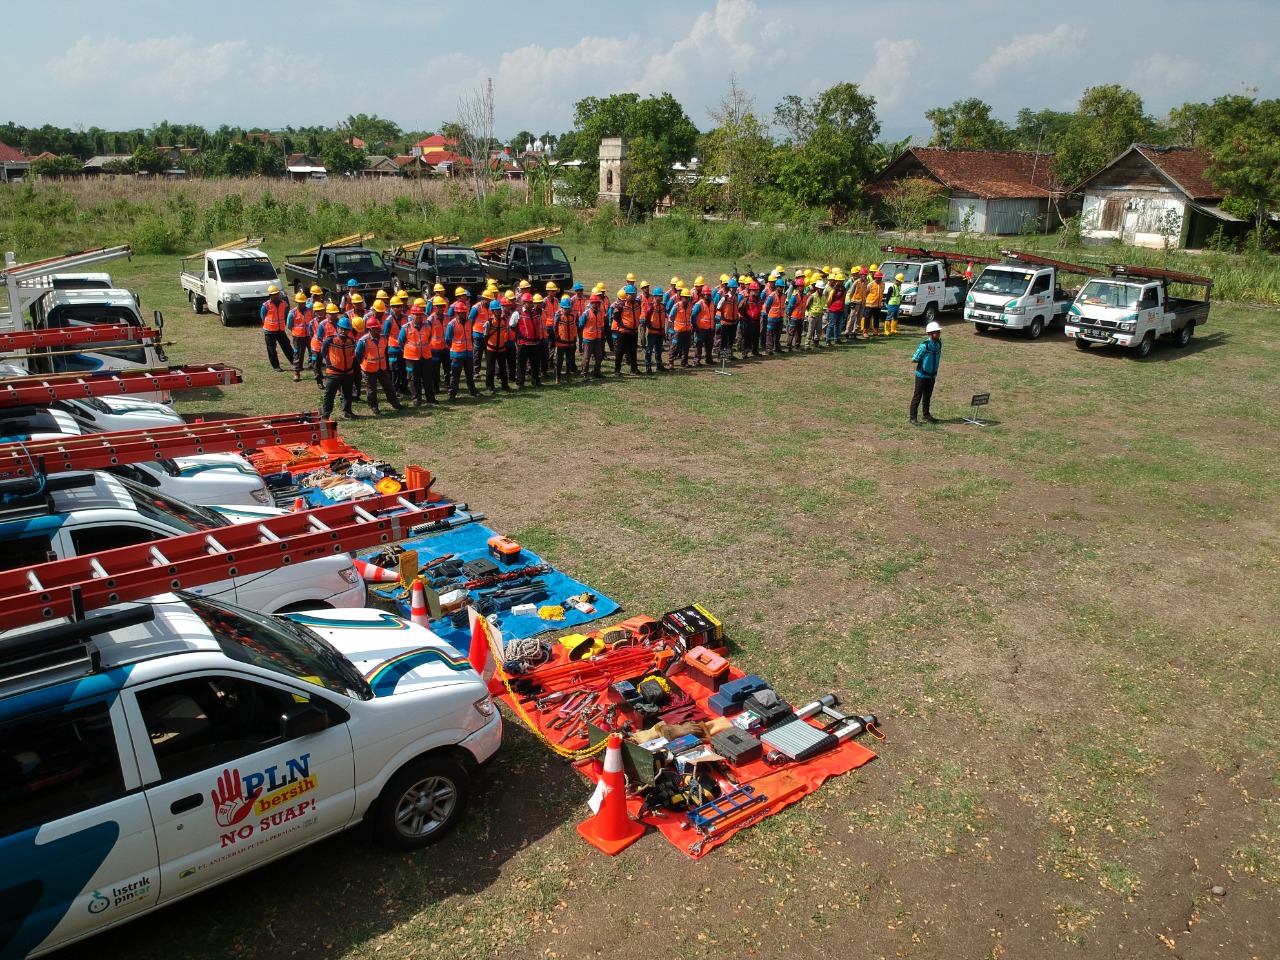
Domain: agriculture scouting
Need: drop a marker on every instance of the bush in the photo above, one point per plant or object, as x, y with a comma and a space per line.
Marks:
154, 235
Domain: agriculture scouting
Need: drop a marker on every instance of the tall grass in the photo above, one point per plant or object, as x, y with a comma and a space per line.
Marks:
42, 219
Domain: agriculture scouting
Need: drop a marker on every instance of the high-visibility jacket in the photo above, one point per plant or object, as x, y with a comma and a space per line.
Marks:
508, 331
875, 292
373, 353
436, 325
275, 314
835, 299
703, 315
799, 300
729, 307
655, 317
339, 354
592, 322
458, 335
494, 335
459, 307
859, 291
299, 322
529, 329
773, 307
627, 318
321, 330
751, 310
415, 340
680, 317
391, 334
566, 331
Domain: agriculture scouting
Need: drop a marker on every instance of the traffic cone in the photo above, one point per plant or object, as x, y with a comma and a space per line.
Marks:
418, 605
611, 830
299, 505
481, 654
376, 574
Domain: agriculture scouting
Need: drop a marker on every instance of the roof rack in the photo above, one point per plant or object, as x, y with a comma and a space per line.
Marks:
43, 592
938, 254
240, 244
408, 248
98, 451
527, 236
347, 241
63, 651
1153, 273
1031, 258
17, 391
76, 336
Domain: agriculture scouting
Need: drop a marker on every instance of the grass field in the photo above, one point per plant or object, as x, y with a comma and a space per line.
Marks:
1067, 621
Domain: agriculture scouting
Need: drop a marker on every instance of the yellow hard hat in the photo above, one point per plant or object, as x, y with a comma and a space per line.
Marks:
699, 281
379, 306
744, 279
317, 290
779, 269
300, 297
826, 269
674, 281
382, 295
459, 291
724, 278
439, 302
524, 284
773, 275
510, 295
644, 284
357, 324
684, 292
419, 302
356, 298
874, 267
856, 268
680, 285
398, 300
551, 286
899, 277
806, 273
332, 308
631, 278
537, 298
622, 292
438, 288
273, 289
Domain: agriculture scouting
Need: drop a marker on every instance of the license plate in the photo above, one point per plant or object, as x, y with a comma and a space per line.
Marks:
1096, 332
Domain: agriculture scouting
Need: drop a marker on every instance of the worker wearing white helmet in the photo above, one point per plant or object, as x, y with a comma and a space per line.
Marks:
927, 358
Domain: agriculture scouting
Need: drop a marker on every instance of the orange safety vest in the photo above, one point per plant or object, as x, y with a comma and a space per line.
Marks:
802, 302
460, 342
436, 325
275, 314
680, 321
391, 325
374, 356
776, 305
875, 291
321, 329
706, 314
729, 309
416, 341
859, 291
340, 355
593, 328
628, 317
549, 310
299, 321
655, 319
508, 335
566, 329
494, 337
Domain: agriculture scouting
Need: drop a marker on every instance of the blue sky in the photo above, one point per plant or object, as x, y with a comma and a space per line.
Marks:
125, 65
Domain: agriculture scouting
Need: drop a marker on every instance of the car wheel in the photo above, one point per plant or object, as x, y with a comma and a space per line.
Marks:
979, 328
1082, 344
1144, 348
930, 314
1183, 336
224, 316
1036, 328
421, 803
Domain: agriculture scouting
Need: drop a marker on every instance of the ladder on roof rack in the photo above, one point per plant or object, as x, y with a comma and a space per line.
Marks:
77, 336
67, 588
97, 451
241, 244
938, 254
407, 248
1154, 273
526, 236
347, 241
1062, 265
17, 391
22, 273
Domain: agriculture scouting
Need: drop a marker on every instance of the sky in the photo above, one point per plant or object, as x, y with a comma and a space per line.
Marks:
269, 64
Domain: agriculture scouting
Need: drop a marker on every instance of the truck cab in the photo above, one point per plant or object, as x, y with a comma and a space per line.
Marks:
231, 283
1015, 296
334, 267
452, 266
1133, 307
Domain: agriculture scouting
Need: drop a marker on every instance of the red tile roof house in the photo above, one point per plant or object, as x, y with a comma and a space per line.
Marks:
1149, 195
1000, 192
14, 164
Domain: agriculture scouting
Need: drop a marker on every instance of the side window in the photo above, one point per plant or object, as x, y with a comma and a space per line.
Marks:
929, 274
1041, 284
26, 552
203, 722
210, 270
54, 764
95, 539
326, 263
519, 254
1148, 298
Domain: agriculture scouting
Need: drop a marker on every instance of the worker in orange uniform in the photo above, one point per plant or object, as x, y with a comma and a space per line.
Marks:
774, 309
655, 326
275, 324
437, 369
397, 317
626, 329
703, 316
299, 332
682, 327
415, 350
529, 347
324, 324
752, 311
871, 306
338, 354
565, 334
460, 338
728, 309
591, 326
493, 336
371, 355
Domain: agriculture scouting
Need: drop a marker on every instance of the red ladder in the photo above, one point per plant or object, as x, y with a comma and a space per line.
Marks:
101, 450
77, 336
65, 588
1062, 265
939, 254
17, 391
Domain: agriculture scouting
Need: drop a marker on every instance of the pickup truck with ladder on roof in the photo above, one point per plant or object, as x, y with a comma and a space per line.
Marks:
340, 267
420, 265
231, 280
1022, 292
931, 284
526, 256
1133, 306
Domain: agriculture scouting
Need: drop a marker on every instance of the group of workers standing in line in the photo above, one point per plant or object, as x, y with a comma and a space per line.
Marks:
403, 346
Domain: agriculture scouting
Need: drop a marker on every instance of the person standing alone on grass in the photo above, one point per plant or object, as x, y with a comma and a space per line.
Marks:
927, 358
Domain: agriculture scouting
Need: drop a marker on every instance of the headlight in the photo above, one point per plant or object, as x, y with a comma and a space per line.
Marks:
484, 706
233, 298
1126, 328
349, 574
1015, 311
262, 496
908, 298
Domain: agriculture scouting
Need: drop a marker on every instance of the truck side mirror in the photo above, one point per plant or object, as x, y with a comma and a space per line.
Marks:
303, 719
158, 318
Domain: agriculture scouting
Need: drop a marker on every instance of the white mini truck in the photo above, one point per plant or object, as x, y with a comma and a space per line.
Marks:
155, 749
1133, 306
232, 283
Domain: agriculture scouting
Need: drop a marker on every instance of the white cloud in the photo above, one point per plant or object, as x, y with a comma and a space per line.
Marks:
889, 76
1161, 74
1023, 52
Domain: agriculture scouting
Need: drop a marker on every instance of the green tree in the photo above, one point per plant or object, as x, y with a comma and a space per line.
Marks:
1247, 164
521, 141
240, 159
913, 202
839, 153
340, 157
968, 124
147, 160
371, 129
736, 156
61, 166
648, 177
270, 162
1108, 119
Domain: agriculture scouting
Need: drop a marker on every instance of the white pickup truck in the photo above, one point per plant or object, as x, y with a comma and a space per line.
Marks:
929, 284
231, 283
1132, 307
1023, 292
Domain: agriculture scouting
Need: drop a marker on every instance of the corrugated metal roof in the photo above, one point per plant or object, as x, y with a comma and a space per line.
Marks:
10, 154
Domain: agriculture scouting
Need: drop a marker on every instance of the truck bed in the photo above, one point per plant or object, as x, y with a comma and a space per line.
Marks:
1193, 311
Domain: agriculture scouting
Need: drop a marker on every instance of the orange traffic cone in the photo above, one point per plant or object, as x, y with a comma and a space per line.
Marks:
611, 830
418, 605
376, 574
299, 505
481, 653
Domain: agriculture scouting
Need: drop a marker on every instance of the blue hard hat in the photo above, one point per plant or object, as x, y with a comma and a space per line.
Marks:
566, 302
657, 291
344, 323
352, 282
578, 286
495, 305
629, 289
733, 282
780, 283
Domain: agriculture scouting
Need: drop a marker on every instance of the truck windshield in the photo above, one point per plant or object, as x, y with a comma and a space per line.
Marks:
548, 256
455, 259
180, 516
910, 271
1109, 293
247, 271
360, 265
1004, 283
281, 646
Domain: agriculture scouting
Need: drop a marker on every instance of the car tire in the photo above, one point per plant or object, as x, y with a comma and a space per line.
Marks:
421, 803
930, 314
980, 328
1036, 328
1082, 344
1143, 350
197, 302
1183, 336
224, 316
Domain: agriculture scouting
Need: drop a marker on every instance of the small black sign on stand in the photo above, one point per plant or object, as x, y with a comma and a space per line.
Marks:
979, 400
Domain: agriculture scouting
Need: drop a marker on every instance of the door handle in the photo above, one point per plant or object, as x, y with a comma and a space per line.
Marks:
186, 803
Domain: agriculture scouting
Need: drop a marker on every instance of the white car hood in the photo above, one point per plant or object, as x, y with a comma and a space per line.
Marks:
394, 655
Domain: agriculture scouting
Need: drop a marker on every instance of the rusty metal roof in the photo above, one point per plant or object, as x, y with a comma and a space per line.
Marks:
988, 174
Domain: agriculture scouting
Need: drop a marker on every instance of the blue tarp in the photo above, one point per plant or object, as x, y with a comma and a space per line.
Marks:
471, 542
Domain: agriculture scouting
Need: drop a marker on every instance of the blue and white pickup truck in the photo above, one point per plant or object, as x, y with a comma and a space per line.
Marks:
1133, 307
1022, 292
